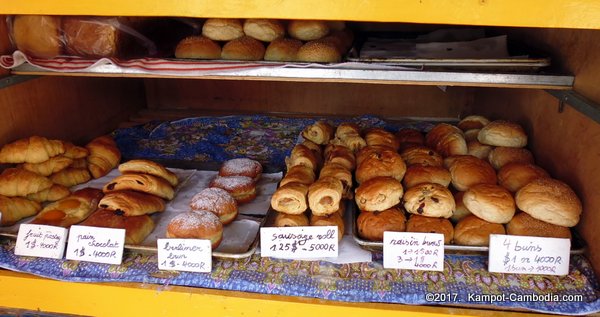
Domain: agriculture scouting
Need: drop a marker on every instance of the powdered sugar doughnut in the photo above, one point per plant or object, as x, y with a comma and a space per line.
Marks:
242, 188
218, 201
199, 224
241, 167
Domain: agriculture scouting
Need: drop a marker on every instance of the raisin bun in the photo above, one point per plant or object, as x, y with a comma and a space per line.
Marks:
429, 199
378, 194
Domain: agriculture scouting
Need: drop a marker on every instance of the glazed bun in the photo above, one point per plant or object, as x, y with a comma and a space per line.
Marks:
467, 170
199, 224
283, 50
472, 122
430, 200
551, 201
424, 224
491, 203
501, 156
522, 224
264, 29
503, 133
372, 225
447, 140
223, 29
474, 231
480, 151
385, 162
471, 135
381, 137
410, 136
421, 155
378, 194
514, 176
319, 52
198, 47
244, 49
308, 30
418, 174
460, 211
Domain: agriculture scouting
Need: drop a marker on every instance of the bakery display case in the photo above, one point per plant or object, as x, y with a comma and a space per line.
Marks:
173, 116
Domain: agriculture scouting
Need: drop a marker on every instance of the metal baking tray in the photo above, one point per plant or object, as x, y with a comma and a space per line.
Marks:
578, 245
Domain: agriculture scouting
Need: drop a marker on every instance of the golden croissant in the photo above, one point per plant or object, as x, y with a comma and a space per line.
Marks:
34, 149
20, 182
49, 167
104, 156
16, 208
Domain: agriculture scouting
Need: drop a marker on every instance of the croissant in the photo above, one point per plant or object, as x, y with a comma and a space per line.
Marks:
20, 182
71, 177
49, 167
287, 220
16, 208
75, 152
148, 167
34, 149
324, 196
320, 132
70, 210
53, 193
290, 198
143, 183
79, 163
104, 156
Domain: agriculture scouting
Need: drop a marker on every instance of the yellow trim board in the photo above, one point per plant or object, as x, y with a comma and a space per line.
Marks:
530, 13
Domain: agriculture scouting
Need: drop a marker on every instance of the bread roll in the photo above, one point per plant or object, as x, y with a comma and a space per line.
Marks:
319, 52
491, 203
501, 156
14, 209
386, 162
417, 223
474, 231
91, 37
143, 183
372, 225
38, 35
283, 50
430, 200
198, 47
132, 203
223, 29
467, 170
503, 133
319, 132
522, 224
290, 198
307, 30
104, 156
334, 219
287, 220
381, 137
460, 211
34, 149
472, 122
418, 174
378, 194
421, 155
137, 228
265, 30
20, 182
299, 174
514, 176
341, 155
70, 177
452, 144
480, 151
438, 132
471, 135
54, 193
324, 196
51, 166
148, 167
550, 200
70, 210
244, 49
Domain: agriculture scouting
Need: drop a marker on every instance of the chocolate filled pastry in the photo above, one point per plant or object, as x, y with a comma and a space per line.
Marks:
35, 149
49, 167
489, 202
54, 193
302, 155
241, 188
241, 167
341, 155
132, 203
314, 147
218, 201
14, 209
290, 198
354, 142
334, 219
340, 172
324, 196
502, 155
299, 174
380, 137
522, 224
514, 176
417, 223
372, 225
472, 122
421, 155
319, 132
20, 182
418, 174
69, 177
550, 200
288, 220
148, 167
472, 230
378, 194
430, 200
137, 228
467, 170
503, 133
386, 162
70, 210
200, 224
142, 183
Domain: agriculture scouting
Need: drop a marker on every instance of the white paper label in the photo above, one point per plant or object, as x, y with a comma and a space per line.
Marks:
41, 241
192, 255
92, 244
413, 250
299, 242
529, 255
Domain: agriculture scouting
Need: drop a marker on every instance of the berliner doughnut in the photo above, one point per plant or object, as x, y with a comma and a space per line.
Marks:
430, 200
372, 225
513, 176
418, 174
241, 167
417, 223
199, 224
308, 30
283, 50
218, 201
265, 30
223, 29
550, 200
522, 224
501, 156
241, 188
467, 170
489, 202
503, 133
474, 231
378, 194
244, 49
198, 47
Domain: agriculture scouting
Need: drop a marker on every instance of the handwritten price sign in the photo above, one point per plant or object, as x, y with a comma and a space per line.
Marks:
192, 255
92, 244
41, 241
299, 242
413, 250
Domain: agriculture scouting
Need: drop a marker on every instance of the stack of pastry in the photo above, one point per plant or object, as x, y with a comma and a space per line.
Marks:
239, 178
235, 39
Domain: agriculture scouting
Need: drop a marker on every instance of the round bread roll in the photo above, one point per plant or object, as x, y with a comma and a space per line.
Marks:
223, 29
244, 49
489, 202
334, 219
467, 170
421, 155
265, 30
411, 136
418, 174
199, 224
308, 30
480, 151
198, 47
283, 50
319, 52
503, 133
514, 176
372, 225
472, 122
336, 25
37, 35
417, 223
287, 220
218, 201
471, 135
501, 156
430, 200
474, 231
452, 144
460, 211
386, 162
438, 132
550, 200
522, 224
342, 40
378, 194
368, 152
381, 137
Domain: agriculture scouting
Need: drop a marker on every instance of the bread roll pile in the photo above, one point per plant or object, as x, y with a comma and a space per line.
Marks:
258, 39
